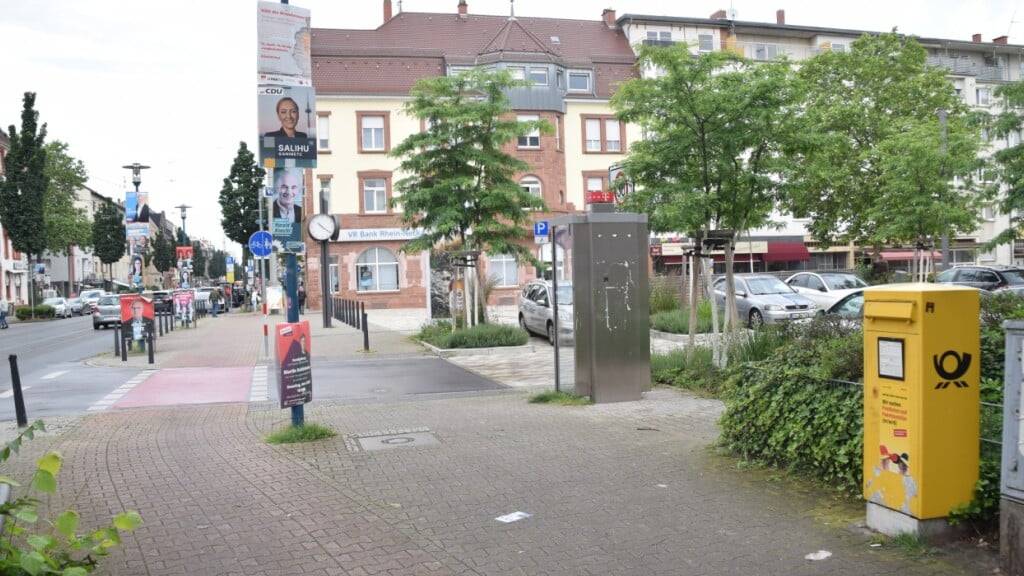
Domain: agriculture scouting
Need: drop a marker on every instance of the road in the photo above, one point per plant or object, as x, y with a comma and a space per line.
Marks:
50, 355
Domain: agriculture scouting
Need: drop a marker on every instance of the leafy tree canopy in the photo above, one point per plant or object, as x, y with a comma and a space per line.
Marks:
240, 196
24, 185
66, 224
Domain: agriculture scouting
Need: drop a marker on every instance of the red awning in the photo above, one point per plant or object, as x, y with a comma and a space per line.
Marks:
737, 257
898, 255
787, 252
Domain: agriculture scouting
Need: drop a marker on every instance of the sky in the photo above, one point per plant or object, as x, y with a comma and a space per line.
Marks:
173, 84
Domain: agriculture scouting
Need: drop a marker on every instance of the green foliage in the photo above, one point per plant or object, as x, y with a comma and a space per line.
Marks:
692, 369
460, 178
848, 161
23, 187
29, 547
108, 234
199, 260
40, 311
308, 432
678, 321
559, 398
163, 253
217, 266
240, 196
663, 298
441, 335
65, 223
1010, 161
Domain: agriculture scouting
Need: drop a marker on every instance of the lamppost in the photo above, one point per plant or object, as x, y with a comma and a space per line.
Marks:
136, 169
183, 208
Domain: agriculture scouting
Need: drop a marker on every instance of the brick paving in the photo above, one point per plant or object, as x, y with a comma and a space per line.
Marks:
625, 489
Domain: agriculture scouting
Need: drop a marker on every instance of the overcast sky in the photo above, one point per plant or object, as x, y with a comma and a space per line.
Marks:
172, 84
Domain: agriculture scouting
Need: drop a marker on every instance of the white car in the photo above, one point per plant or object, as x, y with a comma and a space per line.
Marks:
826, 288
61, 307
89, 299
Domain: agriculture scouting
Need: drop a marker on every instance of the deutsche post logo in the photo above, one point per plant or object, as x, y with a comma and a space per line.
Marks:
954, 377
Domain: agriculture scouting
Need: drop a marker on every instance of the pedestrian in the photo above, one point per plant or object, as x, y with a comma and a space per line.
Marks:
302, 299
3, 313
214, 301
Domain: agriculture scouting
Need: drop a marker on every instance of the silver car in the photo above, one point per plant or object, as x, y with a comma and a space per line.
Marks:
536, 314
90, 298
107, 311
61, 307
764, 299
826, 288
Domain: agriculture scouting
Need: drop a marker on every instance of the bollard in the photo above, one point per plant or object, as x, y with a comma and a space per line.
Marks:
160, 323
19, 400
124, 347
150, 342
366, 333
359, 319
170, 321
117, 339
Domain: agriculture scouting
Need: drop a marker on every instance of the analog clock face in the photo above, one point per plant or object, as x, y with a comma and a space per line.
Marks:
321, 227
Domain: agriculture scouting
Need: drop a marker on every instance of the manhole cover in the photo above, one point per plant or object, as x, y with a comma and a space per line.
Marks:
410, 439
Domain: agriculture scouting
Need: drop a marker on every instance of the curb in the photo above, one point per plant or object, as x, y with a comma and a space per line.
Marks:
450, 352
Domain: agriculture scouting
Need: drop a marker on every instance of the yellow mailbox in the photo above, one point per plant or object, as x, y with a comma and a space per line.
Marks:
921, 403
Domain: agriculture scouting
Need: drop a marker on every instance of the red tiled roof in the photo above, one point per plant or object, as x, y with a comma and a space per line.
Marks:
413, 45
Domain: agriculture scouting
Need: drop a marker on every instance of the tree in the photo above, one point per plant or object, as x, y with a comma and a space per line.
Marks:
217, 267
163, 253
240, 196
108, 234
1010, 162
23, 188
66, 224
461, 188
855, 104
714, 127
198, 260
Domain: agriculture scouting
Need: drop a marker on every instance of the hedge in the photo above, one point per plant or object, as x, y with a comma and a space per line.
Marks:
41, 311
440, 334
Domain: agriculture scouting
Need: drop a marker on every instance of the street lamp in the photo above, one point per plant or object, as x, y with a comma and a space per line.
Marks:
183, 208
136, 169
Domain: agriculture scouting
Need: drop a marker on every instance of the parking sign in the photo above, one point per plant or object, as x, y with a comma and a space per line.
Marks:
540, 228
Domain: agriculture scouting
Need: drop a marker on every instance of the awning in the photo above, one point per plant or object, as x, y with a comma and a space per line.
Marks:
786, 252
737, 258
899, 255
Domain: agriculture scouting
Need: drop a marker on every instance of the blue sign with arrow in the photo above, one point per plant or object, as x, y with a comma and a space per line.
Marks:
261, 243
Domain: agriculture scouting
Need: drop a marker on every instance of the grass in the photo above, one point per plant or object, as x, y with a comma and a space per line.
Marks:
440, 334
678, 321
559, 398
911, 545
306, 433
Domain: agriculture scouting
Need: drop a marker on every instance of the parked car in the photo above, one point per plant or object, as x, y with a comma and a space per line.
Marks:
536, 312
90, 298
826, 288
162, 300
77, 305
107, 311
985, 277
850, 308
61, 308
764, 299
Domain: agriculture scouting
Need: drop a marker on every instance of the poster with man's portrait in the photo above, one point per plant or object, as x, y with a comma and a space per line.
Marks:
293, 347
286, 212
287, 125
137, 314
136, 206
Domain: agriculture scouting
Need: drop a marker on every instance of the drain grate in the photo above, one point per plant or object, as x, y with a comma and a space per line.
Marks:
387, 439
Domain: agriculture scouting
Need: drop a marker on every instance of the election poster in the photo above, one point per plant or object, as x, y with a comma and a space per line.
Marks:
136, 206
284, 40
183, 305
287, 125
286, 210
294, 372
137, 314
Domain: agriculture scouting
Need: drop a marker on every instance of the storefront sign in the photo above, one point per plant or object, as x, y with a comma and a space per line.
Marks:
294, 372
602, 197
378, 234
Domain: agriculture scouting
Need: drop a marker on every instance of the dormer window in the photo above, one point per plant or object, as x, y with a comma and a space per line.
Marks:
580, 81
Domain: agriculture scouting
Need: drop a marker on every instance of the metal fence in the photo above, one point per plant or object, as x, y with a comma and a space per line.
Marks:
353, 313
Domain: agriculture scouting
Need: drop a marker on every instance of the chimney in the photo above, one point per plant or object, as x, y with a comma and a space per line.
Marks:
976, 38
463, 8
608, 15
387, 11
780, 17
999, 40
718, 15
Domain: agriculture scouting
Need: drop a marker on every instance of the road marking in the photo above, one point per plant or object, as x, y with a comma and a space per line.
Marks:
116, 394
53, 375
259, 390
10, 392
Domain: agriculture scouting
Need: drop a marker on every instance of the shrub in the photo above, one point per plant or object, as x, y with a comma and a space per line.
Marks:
678, 321
663, 298
692, 369
308, 432
559, 398
480, 336
41, 311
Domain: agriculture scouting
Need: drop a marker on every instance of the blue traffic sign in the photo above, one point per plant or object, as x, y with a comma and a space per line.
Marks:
261, 243
540, 228
229, 261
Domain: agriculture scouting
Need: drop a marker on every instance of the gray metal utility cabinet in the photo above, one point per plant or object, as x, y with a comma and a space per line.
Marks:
1011, 506
611, 322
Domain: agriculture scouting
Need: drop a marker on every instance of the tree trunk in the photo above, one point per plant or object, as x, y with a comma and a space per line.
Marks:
731, 313
694, 293
716, 342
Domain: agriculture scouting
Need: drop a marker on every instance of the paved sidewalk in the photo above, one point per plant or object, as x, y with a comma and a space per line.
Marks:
626, 489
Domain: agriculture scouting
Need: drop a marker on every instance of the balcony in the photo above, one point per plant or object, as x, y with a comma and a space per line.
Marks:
968, 67
764, 52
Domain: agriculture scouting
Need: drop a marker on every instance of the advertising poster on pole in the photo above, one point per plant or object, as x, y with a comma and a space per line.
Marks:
287, 125
184, 255
284, 40
286, 212
137, 313
183, 305
136, 206
294, 372
138, 237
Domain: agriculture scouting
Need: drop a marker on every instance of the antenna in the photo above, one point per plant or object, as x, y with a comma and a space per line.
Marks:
732, 10
1013, 20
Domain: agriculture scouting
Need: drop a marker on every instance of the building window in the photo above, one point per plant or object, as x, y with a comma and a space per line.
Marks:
531, 185
373, 132
323, 132
983, 96
765, 51
375, 195
595, 184
544, 255
988, 213
333, 278
539, 76
503, 269
560, 79
602, 134
456, 70
376, 271
517, 72
579, 81
705, 42
838, 47
532, 138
